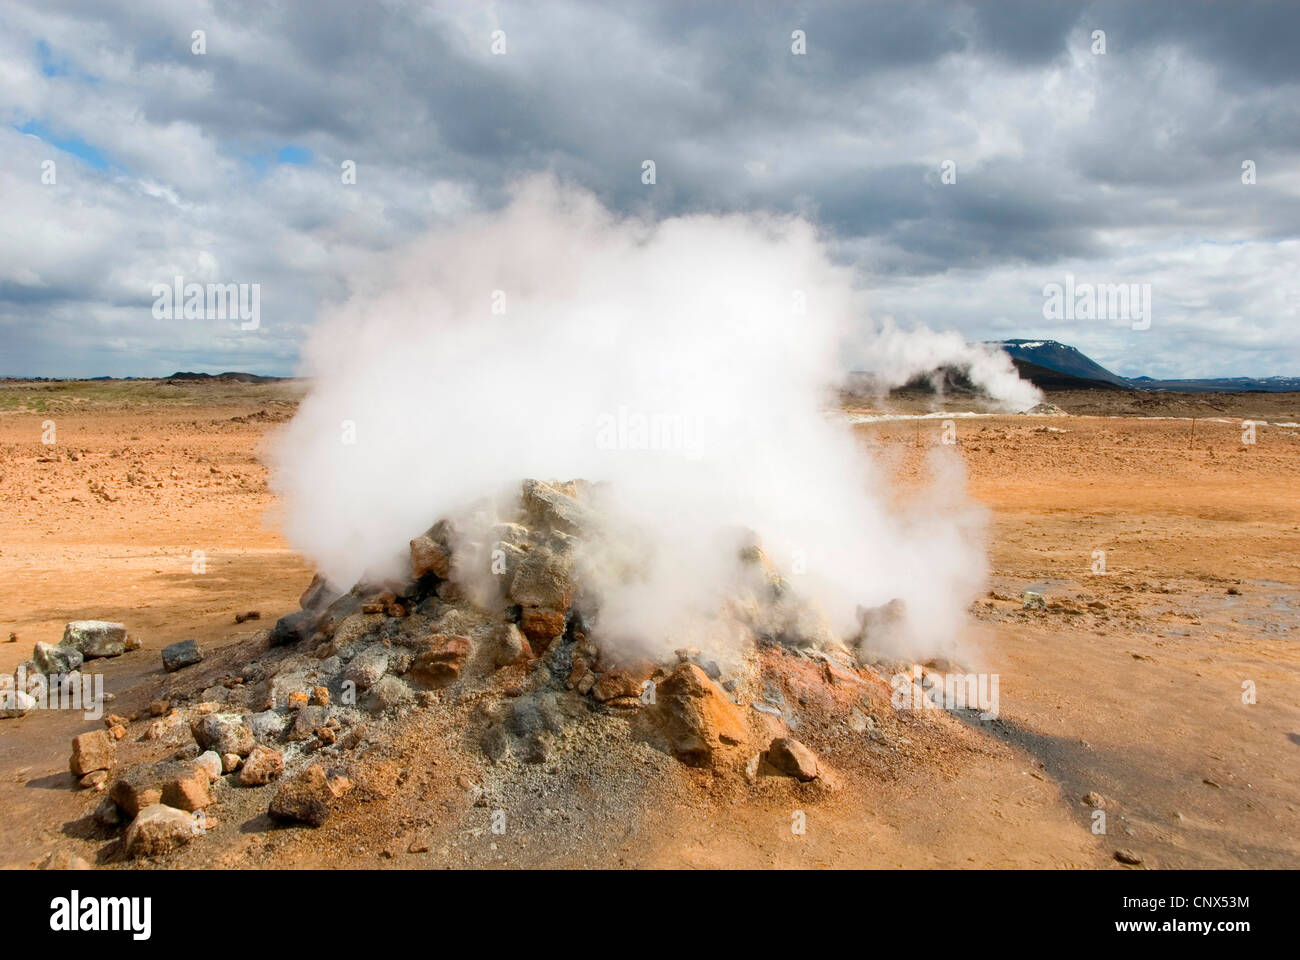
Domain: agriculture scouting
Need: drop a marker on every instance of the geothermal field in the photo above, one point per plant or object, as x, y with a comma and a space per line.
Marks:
536, 674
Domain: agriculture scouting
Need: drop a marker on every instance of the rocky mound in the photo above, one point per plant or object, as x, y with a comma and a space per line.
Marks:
515, 675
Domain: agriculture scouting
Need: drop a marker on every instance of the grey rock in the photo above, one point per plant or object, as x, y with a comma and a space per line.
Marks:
183, 653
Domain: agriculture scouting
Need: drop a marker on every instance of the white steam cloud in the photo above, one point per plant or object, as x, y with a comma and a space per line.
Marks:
690, 364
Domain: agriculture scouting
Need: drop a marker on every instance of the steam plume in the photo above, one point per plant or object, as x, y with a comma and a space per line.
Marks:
689, 363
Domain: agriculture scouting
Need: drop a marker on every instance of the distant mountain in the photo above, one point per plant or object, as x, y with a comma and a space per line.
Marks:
232, 377
1058, 366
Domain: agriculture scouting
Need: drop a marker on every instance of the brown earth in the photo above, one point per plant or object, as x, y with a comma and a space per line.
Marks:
1130, 684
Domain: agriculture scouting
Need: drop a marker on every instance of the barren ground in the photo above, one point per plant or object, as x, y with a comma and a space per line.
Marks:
1130, 684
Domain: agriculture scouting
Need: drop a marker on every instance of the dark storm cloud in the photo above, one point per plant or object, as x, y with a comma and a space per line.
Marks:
1119, 164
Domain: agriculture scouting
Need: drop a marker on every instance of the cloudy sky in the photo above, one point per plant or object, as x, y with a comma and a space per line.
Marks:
225, 166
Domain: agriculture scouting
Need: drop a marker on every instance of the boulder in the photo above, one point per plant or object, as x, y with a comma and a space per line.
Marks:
548, 506
49, 658
158, 829
545, 577
224, 733
429, 557
793, 759
304, 798
512, 647
95, 638
541, 625
693, 718
183, 653
92, 751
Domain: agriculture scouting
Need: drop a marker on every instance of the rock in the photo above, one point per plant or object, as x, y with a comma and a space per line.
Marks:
1094, 799
230, 762
549, 507
319, 594
108, 814
261, 767
185, 786
158, 708
95, 638
512, 647
320, 696
293, 628
298, 699
388, 693
64, 859
693, 717
616, 683
442, 659
305, 723
224, 733
545, 578
183, 653
1033, 601
304, 798
50, 659
212, 764
169, 729
158, 829
92, 751
15, 703
1128, 856
367, 666
94, 780
268, 725
429, 557
135, 790
792, 758
541, 625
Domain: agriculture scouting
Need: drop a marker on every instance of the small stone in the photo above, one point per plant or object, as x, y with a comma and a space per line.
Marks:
512, 647
1124, 855
298, 699
211, 763
95, 638
1033, 601
261, 767
117, 731
183, 653
135, 790
304, 798
94, 780
158, 829
1094, 799
92, 751
320, 696
159, 708
63, 859
15, 704
793, 758
230, 762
